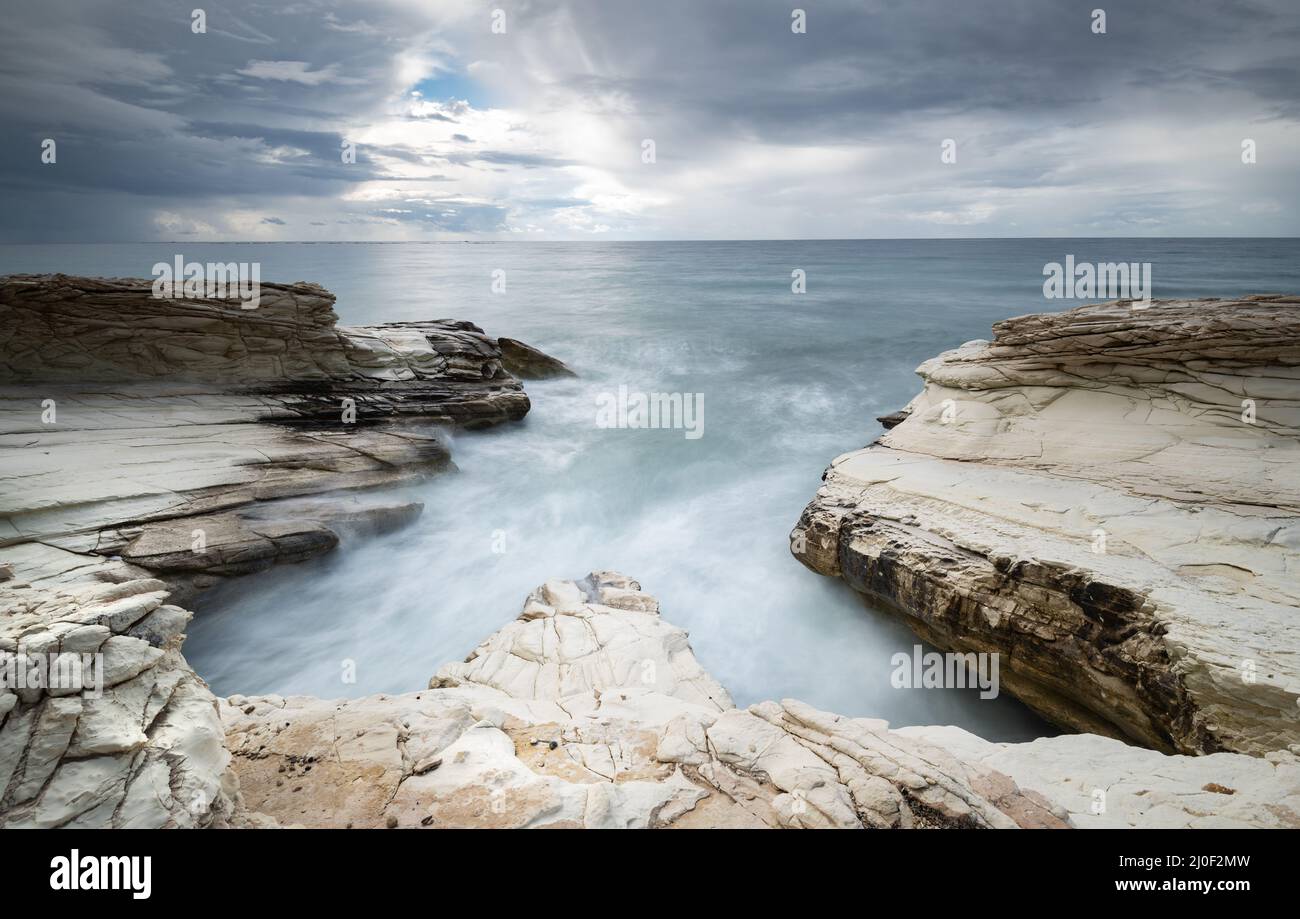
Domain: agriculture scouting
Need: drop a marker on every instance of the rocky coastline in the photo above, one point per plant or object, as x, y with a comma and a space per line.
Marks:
590, 710
1109, 498
153, 446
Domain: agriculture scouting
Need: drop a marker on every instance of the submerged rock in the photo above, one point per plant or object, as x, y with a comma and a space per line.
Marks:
1110, 499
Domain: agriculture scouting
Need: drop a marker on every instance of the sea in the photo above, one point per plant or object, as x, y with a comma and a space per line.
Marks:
782, 380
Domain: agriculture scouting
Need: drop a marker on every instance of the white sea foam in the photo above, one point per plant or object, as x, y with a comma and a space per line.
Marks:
790, 384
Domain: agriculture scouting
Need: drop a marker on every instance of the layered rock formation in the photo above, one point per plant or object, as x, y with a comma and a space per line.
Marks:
589, 710
289, 351
128, 413
144, 751
151, 446
188, 439
1109, 498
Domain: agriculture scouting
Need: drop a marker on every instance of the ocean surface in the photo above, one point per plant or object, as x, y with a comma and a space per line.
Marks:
789, 381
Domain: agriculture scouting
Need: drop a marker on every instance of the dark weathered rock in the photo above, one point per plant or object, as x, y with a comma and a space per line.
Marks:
131, 408
59, 329
527, 363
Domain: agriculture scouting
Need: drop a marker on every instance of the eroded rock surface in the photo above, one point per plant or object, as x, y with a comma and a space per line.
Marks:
64, 329
121, 414
146, 749
527, 363
1108, 498
589, 710
191, 440
1105, 783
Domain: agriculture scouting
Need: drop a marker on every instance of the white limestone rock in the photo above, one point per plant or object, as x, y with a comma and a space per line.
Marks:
192, 439
564, 645
550, 723
1104, 782
1088, 495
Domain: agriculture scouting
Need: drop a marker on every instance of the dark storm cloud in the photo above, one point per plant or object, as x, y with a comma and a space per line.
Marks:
506, 158
863, 63
163, 132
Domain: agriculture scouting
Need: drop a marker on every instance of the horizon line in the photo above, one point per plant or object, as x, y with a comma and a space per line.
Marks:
428, 242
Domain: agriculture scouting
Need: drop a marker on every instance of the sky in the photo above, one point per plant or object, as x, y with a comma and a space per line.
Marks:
530, 120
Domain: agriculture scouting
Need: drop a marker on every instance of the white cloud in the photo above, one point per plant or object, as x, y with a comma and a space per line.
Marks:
758, 133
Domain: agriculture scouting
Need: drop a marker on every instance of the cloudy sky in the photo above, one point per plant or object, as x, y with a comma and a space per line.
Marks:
538, 132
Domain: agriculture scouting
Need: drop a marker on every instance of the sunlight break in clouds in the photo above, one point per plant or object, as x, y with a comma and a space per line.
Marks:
460, 131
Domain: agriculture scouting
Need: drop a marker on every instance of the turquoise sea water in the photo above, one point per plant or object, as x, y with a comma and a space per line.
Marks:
789, 381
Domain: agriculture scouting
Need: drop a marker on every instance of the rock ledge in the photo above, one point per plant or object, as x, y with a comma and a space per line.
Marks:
1110, 499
